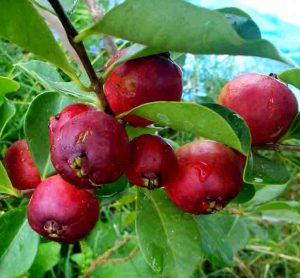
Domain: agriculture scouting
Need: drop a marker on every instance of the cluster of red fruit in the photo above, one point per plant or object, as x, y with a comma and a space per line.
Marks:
90, 148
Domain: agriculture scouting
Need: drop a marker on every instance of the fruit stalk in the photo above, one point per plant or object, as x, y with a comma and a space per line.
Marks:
279, 147
96, 83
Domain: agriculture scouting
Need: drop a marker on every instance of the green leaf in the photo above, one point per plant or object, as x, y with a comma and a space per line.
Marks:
294, 129
262, 170
23, 25
280, 205
291, 76
49, 77
111, 189
221, 237
287, 216
266, 194
7, 111
8, 85
178, 26
47, 257
242, 23
5, 183
41, 109
18, 243
199, 120
246, 194
133, 132
168, 238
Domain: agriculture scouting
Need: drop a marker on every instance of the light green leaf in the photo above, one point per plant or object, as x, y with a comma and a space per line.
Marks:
47, 257
199, 120
287, 216
23, 25
18, 244
8, 85
5, 183
221, 237
280, 205
7, 111
291, 76
168, 238
41, 109
178, 26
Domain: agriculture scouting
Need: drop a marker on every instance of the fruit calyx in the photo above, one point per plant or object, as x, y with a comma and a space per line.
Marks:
53, 228
152, 180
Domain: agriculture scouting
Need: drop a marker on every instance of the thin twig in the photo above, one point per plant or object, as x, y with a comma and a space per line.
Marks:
96, 83
103, 258
97, 14
246, 271
2, 197
279, 147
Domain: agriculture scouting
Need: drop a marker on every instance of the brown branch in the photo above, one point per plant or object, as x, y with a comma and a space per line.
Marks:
278, 147
97, 14
97, 85
2, 196
103, 258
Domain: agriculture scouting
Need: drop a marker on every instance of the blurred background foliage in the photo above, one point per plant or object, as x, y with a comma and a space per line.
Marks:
273, 248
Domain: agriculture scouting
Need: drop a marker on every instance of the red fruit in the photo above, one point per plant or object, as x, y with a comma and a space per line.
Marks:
143, 80
267, 105
152, 162
209, 177
61, 212
20, 166
72, 110
90, 149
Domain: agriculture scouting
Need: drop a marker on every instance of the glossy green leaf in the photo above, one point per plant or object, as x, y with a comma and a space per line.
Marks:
8, 85
178, 26
168, 238
262, 170
242, 23
41, 109
7, 111
221, 237
294, 129
18, 244
246, 194
266, 194
199, 120
291, 76
48, 76
279, 205
23, 25
133, 52
5, 183
47, 257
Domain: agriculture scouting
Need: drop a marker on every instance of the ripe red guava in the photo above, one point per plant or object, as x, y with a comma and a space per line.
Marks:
90, 149
267, 105
152, 162
209, 177
59, 211
142, 80
20, 166
70, 111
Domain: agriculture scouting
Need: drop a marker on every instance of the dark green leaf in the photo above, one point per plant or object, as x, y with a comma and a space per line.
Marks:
246, 194
168, 238
294, 129
262, 170
47, 257
41, 109
5, 184
179, 26
199, 120
22, 24
18, 244
221, 237
7, 111
113, 188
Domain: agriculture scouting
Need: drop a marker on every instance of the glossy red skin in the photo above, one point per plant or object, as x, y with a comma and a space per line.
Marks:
267, 105
73, 212
151, 158
102, 142
20, 166
142, 80
70, 111
209, 176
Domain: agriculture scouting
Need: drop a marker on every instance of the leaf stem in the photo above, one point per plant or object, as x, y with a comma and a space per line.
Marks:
278, 147
96, 83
